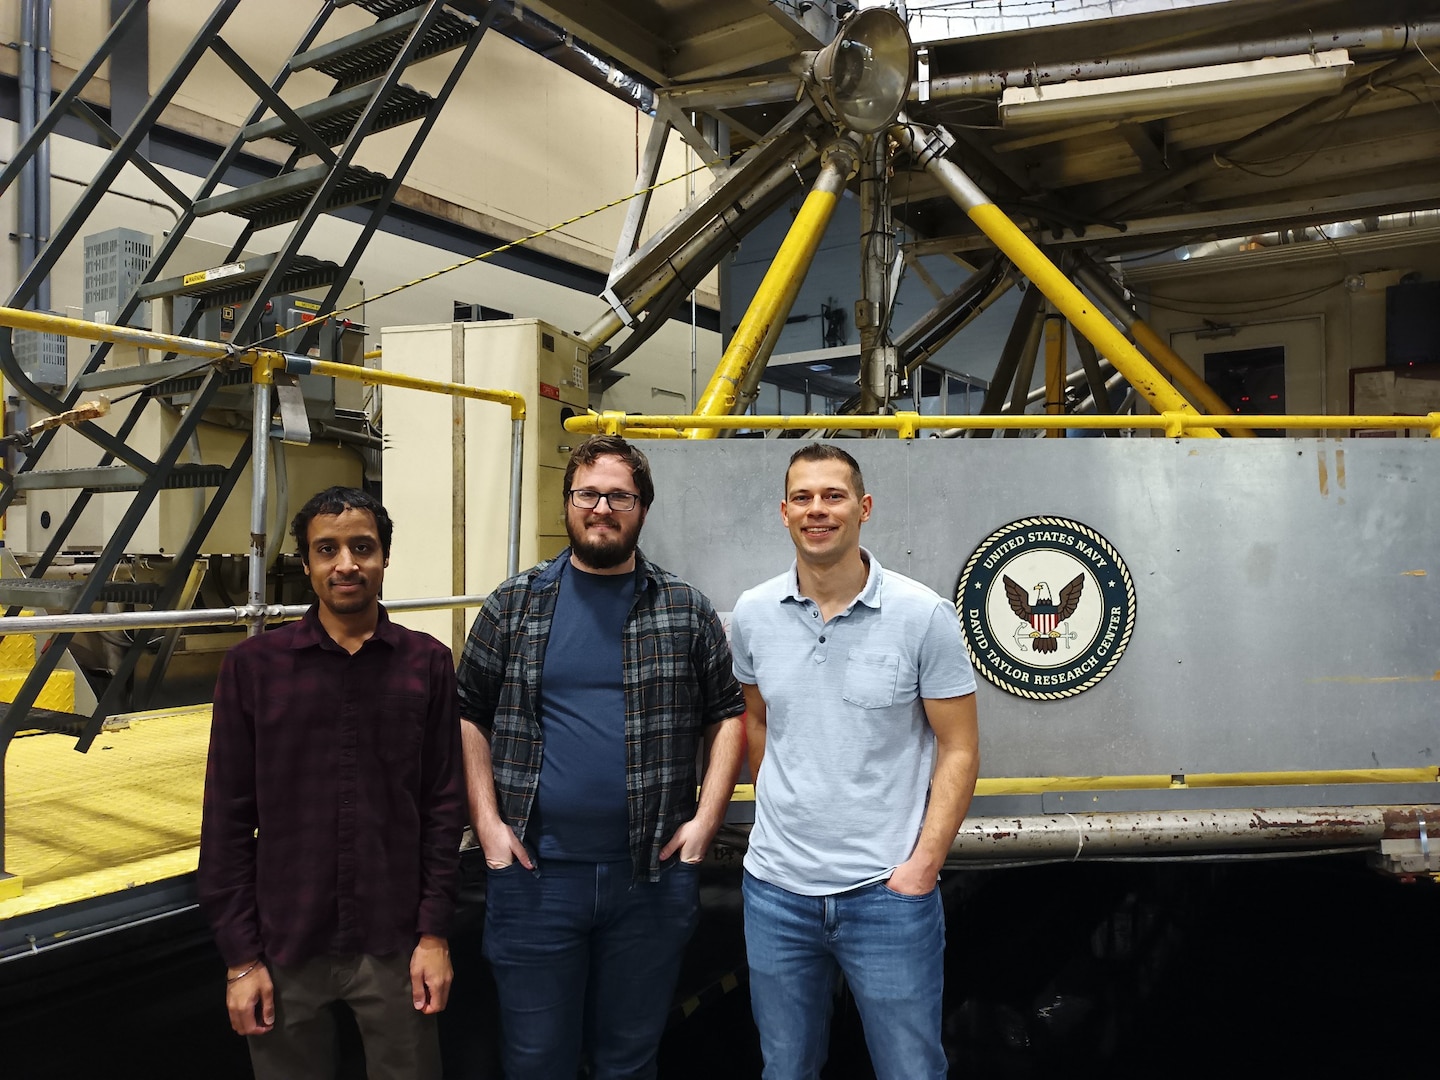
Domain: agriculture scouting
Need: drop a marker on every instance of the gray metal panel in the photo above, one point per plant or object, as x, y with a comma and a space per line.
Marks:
1285, 588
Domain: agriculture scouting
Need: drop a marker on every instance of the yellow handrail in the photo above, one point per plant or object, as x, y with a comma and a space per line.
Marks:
908, 424
264, 361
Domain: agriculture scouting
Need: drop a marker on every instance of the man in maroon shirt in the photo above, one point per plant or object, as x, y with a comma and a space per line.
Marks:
333, 811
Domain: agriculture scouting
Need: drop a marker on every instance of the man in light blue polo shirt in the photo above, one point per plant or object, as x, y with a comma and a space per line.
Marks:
864, 748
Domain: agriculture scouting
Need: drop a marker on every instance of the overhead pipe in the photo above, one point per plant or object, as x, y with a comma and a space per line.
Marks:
1365, 44
1304, 117
776, 294
927, 148
1190, 382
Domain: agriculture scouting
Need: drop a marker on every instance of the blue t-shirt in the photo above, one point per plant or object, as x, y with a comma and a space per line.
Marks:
580, 807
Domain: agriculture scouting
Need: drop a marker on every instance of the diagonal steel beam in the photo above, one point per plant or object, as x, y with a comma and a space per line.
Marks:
779, 142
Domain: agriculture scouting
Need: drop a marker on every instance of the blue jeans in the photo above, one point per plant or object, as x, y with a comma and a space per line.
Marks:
890, 949
584, 958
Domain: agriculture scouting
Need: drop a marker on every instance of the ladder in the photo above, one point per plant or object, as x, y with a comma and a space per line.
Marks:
318, 176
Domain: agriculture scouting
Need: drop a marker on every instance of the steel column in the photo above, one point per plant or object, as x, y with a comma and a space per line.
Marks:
777, 291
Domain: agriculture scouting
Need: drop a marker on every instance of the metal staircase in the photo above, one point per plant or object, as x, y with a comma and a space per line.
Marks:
319, 175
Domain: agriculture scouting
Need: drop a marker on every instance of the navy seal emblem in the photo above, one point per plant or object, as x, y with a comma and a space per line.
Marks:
1047, 606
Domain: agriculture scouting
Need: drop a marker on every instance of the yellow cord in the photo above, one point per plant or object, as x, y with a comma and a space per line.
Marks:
285, 331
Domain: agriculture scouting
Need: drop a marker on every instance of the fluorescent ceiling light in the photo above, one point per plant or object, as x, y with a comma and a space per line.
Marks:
1163, 93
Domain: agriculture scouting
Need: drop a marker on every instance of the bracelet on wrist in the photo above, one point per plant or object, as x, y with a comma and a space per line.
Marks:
236, 978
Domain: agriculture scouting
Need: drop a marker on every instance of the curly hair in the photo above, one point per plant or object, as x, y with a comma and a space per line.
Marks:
336, 500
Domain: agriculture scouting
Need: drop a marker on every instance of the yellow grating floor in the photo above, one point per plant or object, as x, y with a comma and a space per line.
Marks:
127, 813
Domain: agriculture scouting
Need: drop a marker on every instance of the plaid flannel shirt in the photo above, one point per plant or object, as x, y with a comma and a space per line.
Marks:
677, 680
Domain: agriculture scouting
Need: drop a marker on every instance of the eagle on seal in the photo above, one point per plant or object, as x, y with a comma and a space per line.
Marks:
1044, 616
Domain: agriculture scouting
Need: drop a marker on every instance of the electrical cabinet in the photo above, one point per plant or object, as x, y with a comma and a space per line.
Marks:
447, 468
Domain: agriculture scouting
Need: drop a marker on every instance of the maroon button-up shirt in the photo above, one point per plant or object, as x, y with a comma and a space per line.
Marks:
334, 795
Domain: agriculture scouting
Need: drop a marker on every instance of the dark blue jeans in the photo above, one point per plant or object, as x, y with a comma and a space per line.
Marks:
890, 949
583, 957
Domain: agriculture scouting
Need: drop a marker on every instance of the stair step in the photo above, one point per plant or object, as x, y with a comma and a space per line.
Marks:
233, 283
382, 9
96, 478
62, 594
334, 117
367, 53
57, 693
102, 478
141, 374
52, 720
52, 594
274, 202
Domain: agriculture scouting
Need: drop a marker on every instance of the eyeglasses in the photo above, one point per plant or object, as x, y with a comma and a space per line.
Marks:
619, 501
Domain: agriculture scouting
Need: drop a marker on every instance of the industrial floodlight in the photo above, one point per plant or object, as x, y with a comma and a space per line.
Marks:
863, 75
1164, 93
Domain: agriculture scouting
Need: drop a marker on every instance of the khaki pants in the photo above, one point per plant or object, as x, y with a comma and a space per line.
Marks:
400, 1042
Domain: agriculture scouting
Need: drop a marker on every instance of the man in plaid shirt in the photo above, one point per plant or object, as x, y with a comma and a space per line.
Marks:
589, 683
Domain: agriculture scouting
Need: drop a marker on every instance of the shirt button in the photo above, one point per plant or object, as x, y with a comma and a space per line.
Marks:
822, 641
814, 614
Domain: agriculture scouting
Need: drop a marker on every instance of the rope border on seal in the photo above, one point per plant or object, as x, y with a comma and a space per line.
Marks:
1100, 542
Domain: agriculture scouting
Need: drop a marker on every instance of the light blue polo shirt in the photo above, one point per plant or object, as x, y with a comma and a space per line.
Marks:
848, 752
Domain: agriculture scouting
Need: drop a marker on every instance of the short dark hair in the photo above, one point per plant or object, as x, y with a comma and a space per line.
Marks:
827, 452
336, 500
598, 446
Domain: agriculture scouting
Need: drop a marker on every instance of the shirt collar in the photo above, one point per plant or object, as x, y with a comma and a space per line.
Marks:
869, 595
311, 632
547, 574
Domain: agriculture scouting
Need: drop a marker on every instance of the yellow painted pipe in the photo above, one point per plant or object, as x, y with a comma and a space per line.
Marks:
303, 365
1030, 785
263, 361
19, 319
1195, 387
1098, 330
1055, 372
1188, 379
907, 424
776, 294
1036, 785
928, 150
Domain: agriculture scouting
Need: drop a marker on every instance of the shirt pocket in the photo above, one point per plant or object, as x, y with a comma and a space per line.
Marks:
400, 721
870, 679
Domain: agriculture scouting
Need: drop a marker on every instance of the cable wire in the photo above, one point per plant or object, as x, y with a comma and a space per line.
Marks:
284, 332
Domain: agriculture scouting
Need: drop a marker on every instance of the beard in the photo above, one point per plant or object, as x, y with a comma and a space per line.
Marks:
602, 551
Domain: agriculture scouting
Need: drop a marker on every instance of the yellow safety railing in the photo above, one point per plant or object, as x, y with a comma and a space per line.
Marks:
1037, 785
907, 425
264, 361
